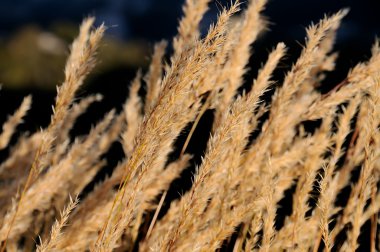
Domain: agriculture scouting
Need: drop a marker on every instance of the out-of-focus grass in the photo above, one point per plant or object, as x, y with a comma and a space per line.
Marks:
34, 58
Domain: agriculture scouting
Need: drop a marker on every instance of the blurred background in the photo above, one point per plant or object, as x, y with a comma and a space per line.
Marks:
35, 36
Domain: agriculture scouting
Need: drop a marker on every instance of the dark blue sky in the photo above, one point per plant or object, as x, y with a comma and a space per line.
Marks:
154, 19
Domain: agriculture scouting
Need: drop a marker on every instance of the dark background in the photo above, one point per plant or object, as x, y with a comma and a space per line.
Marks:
134, 26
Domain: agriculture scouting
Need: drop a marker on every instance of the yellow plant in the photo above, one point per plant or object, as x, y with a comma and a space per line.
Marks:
235, 192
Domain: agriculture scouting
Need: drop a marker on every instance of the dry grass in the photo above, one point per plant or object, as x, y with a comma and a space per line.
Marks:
234, 198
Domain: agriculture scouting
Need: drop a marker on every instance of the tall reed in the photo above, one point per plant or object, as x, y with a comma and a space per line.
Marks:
258, 153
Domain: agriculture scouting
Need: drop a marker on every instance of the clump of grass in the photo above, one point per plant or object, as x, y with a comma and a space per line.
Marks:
234, 197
